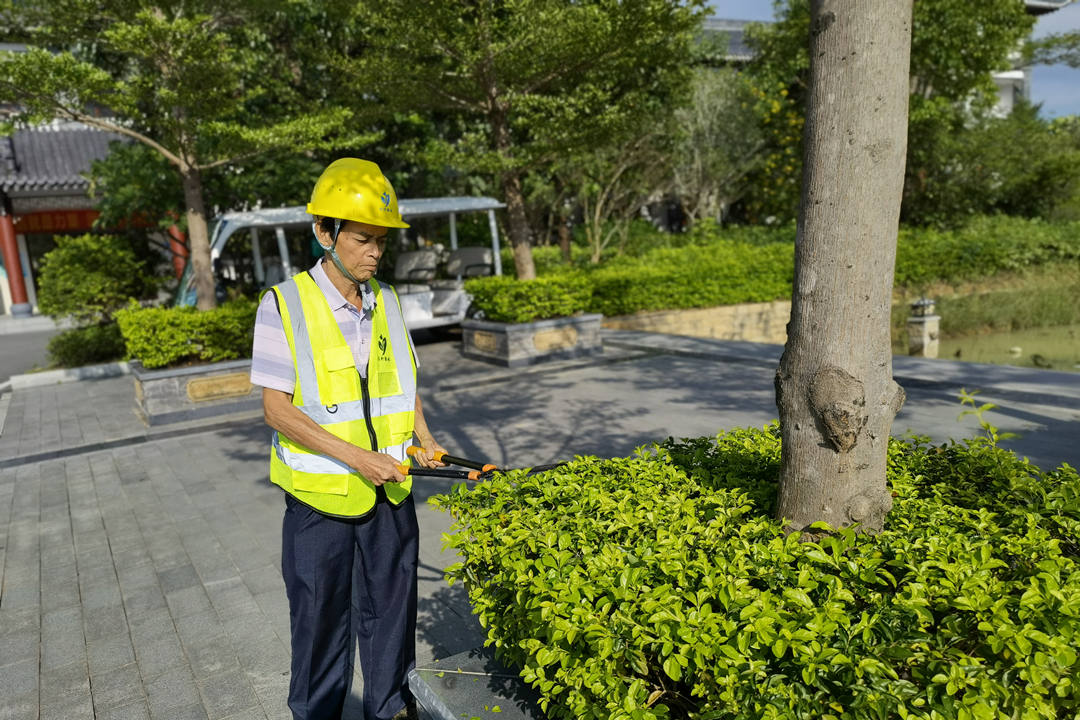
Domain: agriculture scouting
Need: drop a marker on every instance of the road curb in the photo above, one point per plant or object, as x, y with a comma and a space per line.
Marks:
66, 375
165, 432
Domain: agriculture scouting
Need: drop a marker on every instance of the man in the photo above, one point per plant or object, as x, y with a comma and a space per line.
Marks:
338, 373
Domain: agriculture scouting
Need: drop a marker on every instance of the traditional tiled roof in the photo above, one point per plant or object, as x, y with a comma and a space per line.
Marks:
51, 158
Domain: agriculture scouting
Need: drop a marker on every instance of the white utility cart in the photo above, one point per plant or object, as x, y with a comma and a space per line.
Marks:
426, 301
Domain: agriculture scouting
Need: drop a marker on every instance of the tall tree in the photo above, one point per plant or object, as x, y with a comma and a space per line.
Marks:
535, 80
202, 83
613, 182
834, 387
956, 46
717, 143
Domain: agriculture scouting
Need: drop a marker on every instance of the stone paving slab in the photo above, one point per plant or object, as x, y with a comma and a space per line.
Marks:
139, 570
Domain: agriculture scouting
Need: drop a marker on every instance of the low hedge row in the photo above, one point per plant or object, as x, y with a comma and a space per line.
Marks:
661, 586
724, 272
506, 299
720, 266
160, 336
985, 247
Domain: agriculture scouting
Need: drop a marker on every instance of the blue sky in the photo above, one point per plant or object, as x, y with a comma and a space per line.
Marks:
1056, 87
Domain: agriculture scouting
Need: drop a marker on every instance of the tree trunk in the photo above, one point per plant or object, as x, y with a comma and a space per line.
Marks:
564, 238
834, 387
202, 274
519, 225
510, 179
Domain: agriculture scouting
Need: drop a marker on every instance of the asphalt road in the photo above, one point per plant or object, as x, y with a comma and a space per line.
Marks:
22, 352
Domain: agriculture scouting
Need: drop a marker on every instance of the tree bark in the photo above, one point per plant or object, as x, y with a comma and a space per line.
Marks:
520, 235
513, 195
202, 273
834, 387
564, 238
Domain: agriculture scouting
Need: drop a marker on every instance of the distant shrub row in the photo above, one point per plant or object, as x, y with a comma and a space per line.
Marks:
712, 266
983, 248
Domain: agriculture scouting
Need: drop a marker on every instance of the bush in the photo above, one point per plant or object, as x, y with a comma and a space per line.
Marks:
707, 267
89, 277
660, 586
983, 248
723, 273
86, 345
505, 299
159, 336
711, 266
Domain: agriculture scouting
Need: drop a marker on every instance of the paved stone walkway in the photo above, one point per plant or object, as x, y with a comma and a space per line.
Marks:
140, 568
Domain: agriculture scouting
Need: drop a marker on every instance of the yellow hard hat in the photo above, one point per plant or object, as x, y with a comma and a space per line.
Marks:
354, 189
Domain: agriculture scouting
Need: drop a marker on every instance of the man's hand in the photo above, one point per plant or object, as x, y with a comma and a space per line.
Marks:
379, 468
427, 457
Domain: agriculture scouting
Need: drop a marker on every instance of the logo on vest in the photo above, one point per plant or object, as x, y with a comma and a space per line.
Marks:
382, 346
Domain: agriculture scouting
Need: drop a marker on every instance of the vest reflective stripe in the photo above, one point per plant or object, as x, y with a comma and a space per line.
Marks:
346, 412
310, 462
303, 356
329, 390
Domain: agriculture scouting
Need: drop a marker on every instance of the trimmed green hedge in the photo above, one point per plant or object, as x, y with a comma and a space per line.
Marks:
505, 299
661, 586
723, 273
160, 336
712, 266
985, 247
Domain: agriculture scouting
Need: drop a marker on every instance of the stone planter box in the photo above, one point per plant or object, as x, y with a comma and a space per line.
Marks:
519, 344
192, 393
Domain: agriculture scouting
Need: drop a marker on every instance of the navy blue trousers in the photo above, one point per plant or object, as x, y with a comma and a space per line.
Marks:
350, 579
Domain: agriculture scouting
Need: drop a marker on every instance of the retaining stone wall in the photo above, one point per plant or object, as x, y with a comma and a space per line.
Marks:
751, 322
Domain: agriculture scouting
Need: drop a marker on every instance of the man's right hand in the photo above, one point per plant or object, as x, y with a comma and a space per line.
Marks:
379, 468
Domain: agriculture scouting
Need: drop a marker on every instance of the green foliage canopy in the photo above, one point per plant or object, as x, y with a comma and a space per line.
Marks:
201, 83
525, 83
955, 47
556, 77
1020, 164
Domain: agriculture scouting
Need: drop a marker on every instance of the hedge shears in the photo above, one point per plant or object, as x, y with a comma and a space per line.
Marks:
476, 470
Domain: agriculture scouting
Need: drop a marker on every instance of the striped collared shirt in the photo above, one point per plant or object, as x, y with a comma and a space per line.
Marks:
271, 358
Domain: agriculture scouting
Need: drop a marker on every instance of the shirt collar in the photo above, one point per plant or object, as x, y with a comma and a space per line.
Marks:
334, 296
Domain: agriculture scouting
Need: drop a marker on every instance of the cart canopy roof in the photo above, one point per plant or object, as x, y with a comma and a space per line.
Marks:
231, 222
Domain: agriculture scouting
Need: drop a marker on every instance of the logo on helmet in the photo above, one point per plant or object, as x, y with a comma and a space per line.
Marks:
386, 200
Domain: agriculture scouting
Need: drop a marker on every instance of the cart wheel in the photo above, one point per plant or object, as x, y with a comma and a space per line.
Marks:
474, 313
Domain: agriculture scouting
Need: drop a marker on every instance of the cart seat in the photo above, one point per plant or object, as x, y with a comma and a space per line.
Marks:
414, 269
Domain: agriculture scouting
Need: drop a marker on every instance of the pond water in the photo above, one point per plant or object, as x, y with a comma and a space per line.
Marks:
1052, 347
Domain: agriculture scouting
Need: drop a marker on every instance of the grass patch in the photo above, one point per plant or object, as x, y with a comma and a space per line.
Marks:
1043, 296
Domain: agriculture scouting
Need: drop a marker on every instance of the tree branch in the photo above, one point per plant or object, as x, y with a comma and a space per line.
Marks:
102, 124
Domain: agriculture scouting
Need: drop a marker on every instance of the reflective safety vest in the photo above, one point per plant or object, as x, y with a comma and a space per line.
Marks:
374, 410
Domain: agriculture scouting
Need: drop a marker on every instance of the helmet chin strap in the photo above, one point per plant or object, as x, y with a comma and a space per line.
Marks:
330, 251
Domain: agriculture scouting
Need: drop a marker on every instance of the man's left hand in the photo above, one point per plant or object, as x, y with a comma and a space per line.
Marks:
427, 457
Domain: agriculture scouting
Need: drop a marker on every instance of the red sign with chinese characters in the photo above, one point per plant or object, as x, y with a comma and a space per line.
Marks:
53, 221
